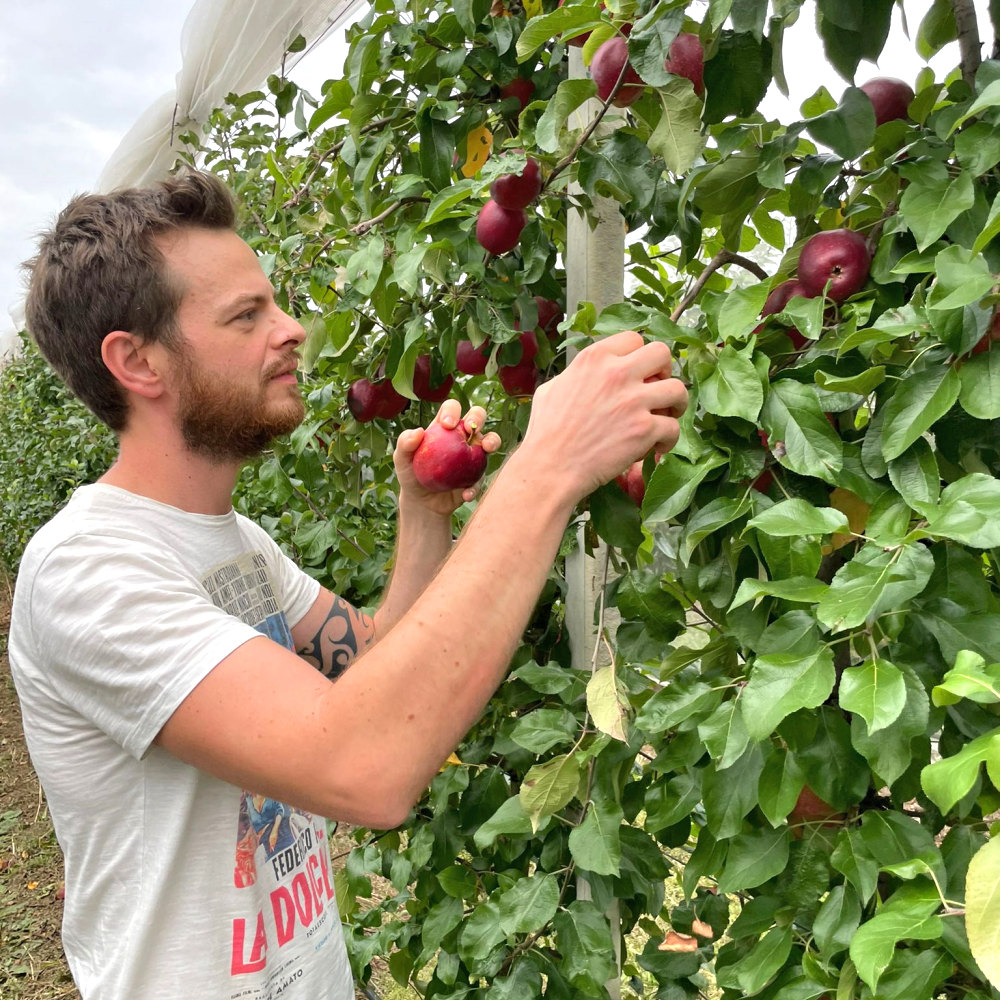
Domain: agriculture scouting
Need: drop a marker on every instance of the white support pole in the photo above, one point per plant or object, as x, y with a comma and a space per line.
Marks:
595, 272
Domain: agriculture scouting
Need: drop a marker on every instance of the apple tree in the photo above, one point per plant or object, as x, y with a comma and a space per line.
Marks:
781, 778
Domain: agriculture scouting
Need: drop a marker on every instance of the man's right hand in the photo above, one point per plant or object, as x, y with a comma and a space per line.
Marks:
614, 404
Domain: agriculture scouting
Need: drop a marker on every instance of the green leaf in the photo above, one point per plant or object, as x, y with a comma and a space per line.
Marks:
792, 415
583, 938
797, 517
916, 476
862, 384
937, 28
673, 484
510, 819
608, 703
569, 95
875, 690
753, 858
969, 512
783, 683
780, 783
763, 962
540, 29
950, 779
969, 678
729, 794
714, 515
849, 128
837, 920
725, 734
853, 860
799, 589
982, 909
963, 277
615, 517
480, 933
989, 98
875, 942
992, 227
874, 581
678, 137
930, 205
733, 389
529, 904
596, 843
549, 787
469, 13
980, 392
544, 728
917, 404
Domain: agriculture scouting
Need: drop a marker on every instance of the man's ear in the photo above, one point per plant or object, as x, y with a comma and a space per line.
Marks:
133, 362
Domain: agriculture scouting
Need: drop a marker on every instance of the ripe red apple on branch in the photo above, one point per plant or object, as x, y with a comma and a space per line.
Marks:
810, 809
520, 87
686, 57
992, 336
472, 360
423, 388
838, 256
499, 229
449, 458
517, 191
891, 98
608, 64
367, 400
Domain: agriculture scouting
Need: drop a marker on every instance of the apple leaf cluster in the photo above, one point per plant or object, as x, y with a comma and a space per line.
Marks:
806, 590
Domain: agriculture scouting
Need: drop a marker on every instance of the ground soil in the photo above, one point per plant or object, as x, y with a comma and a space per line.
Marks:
32, 964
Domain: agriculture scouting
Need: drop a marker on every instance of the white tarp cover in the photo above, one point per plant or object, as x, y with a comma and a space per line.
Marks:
227, 46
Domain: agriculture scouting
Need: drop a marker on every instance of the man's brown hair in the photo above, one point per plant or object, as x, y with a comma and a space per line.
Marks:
100, 269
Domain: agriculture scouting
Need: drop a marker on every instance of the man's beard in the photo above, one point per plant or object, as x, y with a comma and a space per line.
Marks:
225, 421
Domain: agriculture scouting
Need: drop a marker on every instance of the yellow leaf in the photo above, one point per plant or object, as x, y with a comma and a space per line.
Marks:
451, 759
532, 8
32, 885
477, 150
857, 512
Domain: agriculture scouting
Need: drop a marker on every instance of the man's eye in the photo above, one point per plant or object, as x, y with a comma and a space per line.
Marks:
248, 315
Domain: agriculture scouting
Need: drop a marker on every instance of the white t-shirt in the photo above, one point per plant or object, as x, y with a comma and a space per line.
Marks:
177, 884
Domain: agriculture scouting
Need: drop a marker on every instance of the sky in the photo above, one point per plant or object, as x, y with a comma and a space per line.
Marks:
75, 76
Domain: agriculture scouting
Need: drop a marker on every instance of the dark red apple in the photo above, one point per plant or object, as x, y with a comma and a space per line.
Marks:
391, 403
991, 336
781, 295
499, 229
890, 98
422, 386
809, 808
363, 399
515, 191
529, 344
838, 256
520, 379
449, 458
550, 315
609, 61
520, 87
471, 360
686, 57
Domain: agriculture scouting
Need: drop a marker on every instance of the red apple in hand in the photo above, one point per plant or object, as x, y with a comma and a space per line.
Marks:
449, 458
686, 57
890, 98
840, 256
498, 229
516, 191
607, 65
632, 483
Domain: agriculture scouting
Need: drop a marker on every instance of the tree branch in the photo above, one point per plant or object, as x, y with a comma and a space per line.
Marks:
722, 258
362, 227
969, 43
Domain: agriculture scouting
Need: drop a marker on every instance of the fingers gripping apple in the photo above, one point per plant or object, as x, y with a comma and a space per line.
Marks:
449, 458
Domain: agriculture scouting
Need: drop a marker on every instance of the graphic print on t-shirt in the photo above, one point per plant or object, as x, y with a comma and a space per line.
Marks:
281, 852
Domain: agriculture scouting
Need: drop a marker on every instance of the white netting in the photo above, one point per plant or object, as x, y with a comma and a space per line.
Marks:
227, 46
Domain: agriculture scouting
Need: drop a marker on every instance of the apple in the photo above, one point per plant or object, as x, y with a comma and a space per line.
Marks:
516, 191
838, 256
609, 61
449, 458
363, 399
520, 379
520, 87
498, 229
632, 483
890, 98
810, 808
686, 57
550, 315
991, 336
391, 403
781, 295
578, 40
422, 387
529, 345
471, 360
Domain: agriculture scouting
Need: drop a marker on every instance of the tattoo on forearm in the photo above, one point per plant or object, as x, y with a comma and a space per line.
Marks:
344, 633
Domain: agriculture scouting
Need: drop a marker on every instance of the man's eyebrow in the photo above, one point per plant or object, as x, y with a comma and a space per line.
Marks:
242, 301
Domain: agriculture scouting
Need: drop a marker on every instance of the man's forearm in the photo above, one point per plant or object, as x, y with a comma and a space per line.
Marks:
422, 544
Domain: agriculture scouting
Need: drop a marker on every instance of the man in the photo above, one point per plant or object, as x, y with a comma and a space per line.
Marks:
188, 754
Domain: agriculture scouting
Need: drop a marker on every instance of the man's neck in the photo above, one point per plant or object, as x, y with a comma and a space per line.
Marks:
170, 473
